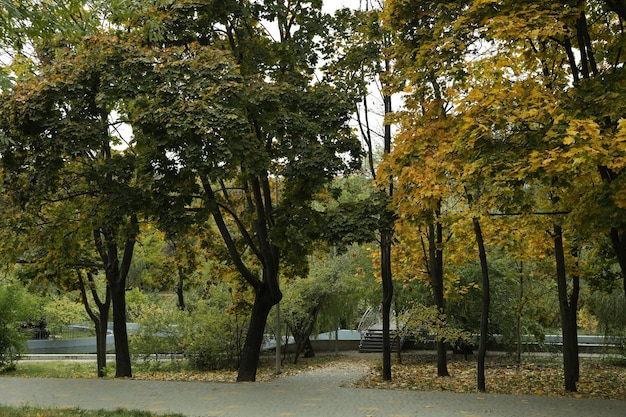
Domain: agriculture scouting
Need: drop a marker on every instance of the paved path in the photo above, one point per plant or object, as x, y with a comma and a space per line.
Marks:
315, 393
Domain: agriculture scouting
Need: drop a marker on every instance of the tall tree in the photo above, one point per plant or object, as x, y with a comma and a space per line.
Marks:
227, 109
361, 55
423, 158
572, 146
485, 300
66, 172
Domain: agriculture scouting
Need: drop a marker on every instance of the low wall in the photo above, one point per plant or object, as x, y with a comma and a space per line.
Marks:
327, 346
81, 345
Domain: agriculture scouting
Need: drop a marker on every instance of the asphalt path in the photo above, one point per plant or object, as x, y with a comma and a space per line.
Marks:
319, 392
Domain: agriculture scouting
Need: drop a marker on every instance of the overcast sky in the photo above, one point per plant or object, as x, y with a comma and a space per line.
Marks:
332, 5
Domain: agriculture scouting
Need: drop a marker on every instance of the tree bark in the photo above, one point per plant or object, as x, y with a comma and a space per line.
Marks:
589, 68
267, 290
568, 310
618, 241
101, 342
179, 289
518, 314
263, 303
302, 331
386, 236
387, 281
303, 345
99, 320
435, 240
122, 352
116, 273
484, 316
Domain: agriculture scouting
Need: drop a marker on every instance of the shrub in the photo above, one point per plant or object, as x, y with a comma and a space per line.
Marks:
63, 310
16, 308
610, 311
214, 332
209, 334
159, 329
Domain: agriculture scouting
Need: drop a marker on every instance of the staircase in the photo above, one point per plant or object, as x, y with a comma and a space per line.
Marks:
372, 340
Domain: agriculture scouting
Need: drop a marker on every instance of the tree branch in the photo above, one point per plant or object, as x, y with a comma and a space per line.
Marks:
251, 278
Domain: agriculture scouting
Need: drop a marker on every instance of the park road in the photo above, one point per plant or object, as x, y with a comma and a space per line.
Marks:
318, 393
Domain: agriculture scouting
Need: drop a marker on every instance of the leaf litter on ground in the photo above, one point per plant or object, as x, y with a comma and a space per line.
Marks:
603, 378
600, 378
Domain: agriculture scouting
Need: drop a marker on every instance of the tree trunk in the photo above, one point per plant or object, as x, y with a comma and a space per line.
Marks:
267, 291
105, 240
588, 68
116, 280
101, 341
619, 247
386, 236
120, 333
435, 241
567, 311
387, 281
303, 331
308, 350
99, 320
179, 289
618, 238
263, 302
484, 316
573, 320
518, 314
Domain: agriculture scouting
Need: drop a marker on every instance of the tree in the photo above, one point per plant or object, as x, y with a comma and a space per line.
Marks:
363, 41
525, 121
574, 142
226, 113
486, 299
336, 289
423, 160
100, 318
66, 172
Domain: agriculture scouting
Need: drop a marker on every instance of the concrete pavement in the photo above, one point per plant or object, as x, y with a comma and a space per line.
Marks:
319, 392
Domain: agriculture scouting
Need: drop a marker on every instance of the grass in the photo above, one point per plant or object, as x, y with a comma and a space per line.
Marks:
71, 412
603, 378
55, 369
174, 370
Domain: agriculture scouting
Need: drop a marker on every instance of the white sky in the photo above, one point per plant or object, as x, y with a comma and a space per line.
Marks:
332, 5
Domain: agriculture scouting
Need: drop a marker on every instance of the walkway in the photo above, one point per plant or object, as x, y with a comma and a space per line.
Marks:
315, 393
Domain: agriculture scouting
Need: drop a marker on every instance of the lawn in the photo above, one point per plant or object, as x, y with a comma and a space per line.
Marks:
69, 412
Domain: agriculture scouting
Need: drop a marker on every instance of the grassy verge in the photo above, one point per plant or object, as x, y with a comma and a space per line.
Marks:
69, 412
56, 369
537, 375
175, 370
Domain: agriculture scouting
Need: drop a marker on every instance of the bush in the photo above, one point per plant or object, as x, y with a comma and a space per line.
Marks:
209, 334
159, 328
214, 332
62, 311
16, 308
610, 311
